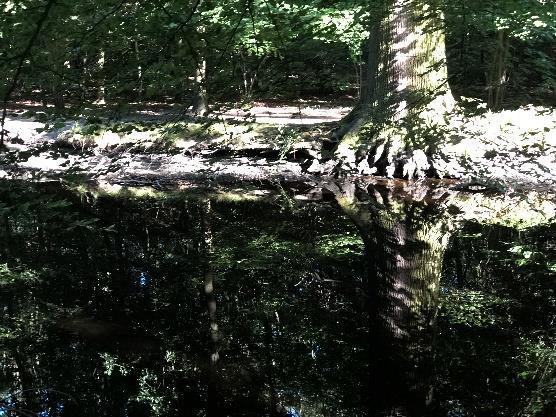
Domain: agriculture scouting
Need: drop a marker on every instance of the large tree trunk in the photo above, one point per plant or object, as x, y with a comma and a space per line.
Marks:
404, 247
405, 88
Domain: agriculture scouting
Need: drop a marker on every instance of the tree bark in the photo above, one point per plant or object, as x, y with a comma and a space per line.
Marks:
138, 55
405, 87
200, 99
58, 95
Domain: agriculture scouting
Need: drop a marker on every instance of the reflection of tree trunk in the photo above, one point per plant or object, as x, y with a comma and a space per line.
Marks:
212, 395
274, 402
408, 255
404, 246
24, 371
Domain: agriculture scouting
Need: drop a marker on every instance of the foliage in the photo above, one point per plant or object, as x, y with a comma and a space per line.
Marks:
476, 309
150, 51
531, 27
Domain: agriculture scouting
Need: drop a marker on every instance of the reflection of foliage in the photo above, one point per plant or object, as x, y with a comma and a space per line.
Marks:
539, 358
149, 384
496, 322
287, 281
9, 277
111, 364
279, 311
476, 309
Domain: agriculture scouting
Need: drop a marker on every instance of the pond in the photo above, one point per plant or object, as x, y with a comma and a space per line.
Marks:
197, 305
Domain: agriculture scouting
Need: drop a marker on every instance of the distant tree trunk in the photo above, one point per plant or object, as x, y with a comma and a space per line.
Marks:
138, 57
200, 100
82, 78
101, 92
406, 73
358, 71
369, 71
44, 93
139, 73
404, 248
250, 74
498, 74
58, 95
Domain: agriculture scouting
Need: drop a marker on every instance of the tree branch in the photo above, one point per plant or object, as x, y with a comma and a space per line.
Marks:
19, 68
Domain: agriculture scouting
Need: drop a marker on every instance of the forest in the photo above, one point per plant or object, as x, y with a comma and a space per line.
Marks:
283, 208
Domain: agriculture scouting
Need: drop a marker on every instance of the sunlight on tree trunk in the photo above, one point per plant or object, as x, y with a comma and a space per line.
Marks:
406, 87
101, 92
200, 101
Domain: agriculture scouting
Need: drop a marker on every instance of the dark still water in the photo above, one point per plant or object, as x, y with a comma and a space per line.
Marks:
196, 306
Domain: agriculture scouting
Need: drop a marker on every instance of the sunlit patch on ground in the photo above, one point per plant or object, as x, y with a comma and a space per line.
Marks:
302, 113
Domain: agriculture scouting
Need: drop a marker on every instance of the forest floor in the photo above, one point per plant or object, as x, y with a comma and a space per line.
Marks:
269, 141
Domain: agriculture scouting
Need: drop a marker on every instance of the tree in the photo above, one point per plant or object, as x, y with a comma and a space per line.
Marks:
405, 90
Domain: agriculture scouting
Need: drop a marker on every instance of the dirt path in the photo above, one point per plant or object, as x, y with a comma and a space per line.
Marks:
300, 113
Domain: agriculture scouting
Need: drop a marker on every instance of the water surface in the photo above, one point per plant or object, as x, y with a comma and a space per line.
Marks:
195, 306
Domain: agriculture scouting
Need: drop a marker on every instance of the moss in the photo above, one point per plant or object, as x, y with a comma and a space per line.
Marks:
340, 245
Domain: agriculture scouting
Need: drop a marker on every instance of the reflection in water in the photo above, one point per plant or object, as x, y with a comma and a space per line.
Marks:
404, 249
192, 307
